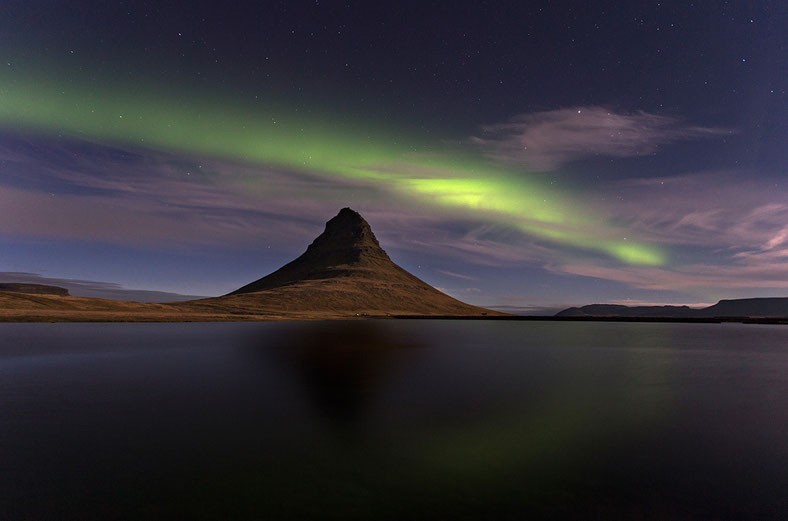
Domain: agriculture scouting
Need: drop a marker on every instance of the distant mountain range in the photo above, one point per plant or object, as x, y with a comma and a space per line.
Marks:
748, 307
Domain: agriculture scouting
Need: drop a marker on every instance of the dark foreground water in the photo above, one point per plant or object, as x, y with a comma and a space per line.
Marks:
393, 420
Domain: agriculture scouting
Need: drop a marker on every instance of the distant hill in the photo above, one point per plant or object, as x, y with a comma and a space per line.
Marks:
750, 307
614, 310
33, 289
343, 272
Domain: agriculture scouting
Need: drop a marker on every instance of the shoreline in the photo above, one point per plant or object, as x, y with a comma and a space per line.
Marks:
85, 316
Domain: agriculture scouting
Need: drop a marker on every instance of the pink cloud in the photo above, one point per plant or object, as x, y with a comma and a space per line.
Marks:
457, 275
139, 222
721, 210
546, 140
636, 302
694, 277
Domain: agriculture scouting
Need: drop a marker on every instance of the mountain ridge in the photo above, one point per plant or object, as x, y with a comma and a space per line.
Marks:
33, 289
748, 307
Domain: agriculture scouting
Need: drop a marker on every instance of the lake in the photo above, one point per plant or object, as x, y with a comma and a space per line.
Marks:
394, 419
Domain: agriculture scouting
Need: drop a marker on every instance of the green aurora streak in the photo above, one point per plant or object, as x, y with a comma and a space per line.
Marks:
275, 137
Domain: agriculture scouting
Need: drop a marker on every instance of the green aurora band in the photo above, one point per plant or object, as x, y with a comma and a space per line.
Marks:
329, 146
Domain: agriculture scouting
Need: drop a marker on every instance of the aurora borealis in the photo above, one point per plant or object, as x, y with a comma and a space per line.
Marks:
203, 154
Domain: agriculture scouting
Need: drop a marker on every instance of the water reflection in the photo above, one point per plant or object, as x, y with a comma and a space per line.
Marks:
341, 366
394, 420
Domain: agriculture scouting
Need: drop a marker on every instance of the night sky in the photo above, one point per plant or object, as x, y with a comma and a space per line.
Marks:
518, 155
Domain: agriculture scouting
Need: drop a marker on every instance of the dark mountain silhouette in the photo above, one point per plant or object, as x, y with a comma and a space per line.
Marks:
750, 307
342, 273
347, 248
615, 310
33, 289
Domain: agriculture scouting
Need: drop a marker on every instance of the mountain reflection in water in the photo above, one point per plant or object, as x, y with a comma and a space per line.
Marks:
341, 366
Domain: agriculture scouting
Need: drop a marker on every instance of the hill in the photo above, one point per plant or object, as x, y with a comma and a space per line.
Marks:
616, 310
748, 307
33, 289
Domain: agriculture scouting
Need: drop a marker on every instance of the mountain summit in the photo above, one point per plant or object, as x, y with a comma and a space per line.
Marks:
344, 272
346, 248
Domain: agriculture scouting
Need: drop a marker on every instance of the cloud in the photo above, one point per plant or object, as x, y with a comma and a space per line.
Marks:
638, 302
546, 140
457, 275
749, 273
539, 311
72, 189
777, 240
726, 231
726, 211
520, 305
95, 289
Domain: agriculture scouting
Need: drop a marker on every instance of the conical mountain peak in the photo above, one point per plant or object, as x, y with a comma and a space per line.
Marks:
346, 247
347, 231
347, 217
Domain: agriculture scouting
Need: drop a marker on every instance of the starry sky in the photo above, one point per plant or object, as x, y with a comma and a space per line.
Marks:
525, 156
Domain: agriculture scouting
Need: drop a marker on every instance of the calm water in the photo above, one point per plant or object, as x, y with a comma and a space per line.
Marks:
393, 420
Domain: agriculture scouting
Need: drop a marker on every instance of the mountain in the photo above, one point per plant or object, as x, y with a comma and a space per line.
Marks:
344, 272
615, 310
346, 249
750, 307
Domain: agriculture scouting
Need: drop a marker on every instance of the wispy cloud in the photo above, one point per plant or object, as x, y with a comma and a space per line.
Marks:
729, 211
80, 190
700, 278
457, 275
546, 140
95, 289
539, 311
727, 232
637, 302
